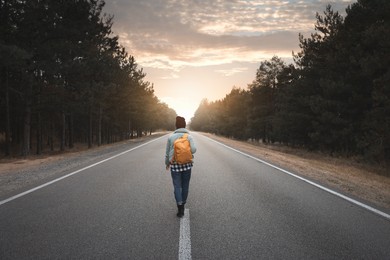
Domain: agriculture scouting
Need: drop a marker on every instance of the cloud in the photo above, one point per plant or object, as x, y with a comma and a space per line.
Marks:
231, 71
171, 76
172, 34
192, 49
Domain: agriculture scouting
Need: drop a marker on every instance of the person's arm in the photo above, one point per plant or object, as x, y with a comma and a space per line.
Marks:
192, 144
168, 147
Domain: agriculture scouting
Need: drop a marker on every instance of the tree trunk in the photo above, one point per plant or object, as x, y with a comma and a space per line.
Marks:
26, 129
71, 131
39, 133
7, 120
100, 125
63, 131
39, 123
90, 128
131, 129
51, 138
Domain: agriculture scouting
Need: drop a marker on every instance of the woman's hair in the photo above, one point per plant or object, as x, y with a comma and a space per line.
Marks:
180, 122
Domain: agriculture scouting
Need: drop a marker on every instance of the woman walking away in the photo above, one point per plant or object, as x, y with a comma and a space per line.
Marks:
179, 158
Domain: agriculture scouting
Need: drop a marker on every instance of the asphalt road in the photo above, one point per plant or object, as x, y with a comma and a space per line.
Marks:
123, 208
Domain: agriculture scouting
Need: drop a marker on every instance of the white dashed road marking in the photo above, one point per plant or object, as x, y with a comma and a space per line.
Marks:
185, 237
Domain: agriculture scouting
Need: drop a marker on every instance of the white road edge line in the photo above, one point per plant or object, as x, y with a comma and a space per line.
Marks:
73, 173
376, 211
185, 237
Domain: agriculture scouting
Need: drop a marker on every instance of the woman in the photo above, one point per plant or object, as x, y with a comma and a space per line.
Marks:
180, 172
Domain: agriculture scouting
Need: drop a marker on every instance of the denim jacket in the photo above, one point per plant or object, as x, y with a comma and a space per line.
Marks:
177, 134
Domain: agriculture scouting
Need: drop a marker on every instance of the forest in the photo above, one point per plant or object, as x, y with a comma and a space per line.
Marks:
334, 98
65, 79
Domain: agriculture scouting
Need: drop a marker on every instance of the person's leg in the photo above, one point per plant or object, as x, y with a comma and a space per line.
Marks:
186, 176
177, 187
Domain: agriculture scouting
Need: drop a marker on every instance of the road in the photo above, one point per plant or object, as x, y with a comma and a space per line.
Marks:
239, 208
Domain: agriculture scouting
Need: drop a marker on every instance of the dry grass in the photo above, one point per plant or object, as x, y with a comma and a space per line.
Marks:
345, 175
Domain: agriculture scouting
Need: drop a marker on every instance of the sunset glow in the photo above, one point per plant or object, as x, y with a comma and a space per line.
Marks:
192, 50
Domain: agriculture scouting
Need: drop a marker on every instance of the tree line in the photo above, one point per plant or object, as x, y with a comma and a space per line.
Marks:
335, 97
64, 78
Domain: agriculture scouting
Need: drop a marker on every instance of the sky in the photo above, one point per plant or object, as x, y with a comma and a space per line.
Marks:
196, 49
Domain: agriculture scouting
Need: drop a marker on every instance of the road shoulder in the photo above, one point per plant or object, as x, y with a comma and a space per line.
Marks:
350, 178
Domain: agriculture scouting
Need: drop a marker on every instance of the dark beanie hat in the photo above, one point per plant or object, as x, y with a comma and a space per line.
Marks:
180, 122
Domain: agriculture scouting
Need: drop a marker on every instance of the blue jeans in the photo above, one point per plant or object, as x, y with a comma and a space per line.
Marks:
181, 183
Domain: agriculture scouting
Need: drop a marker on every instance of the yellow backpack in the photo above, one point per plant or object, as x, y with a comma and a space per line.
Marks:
182, 150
